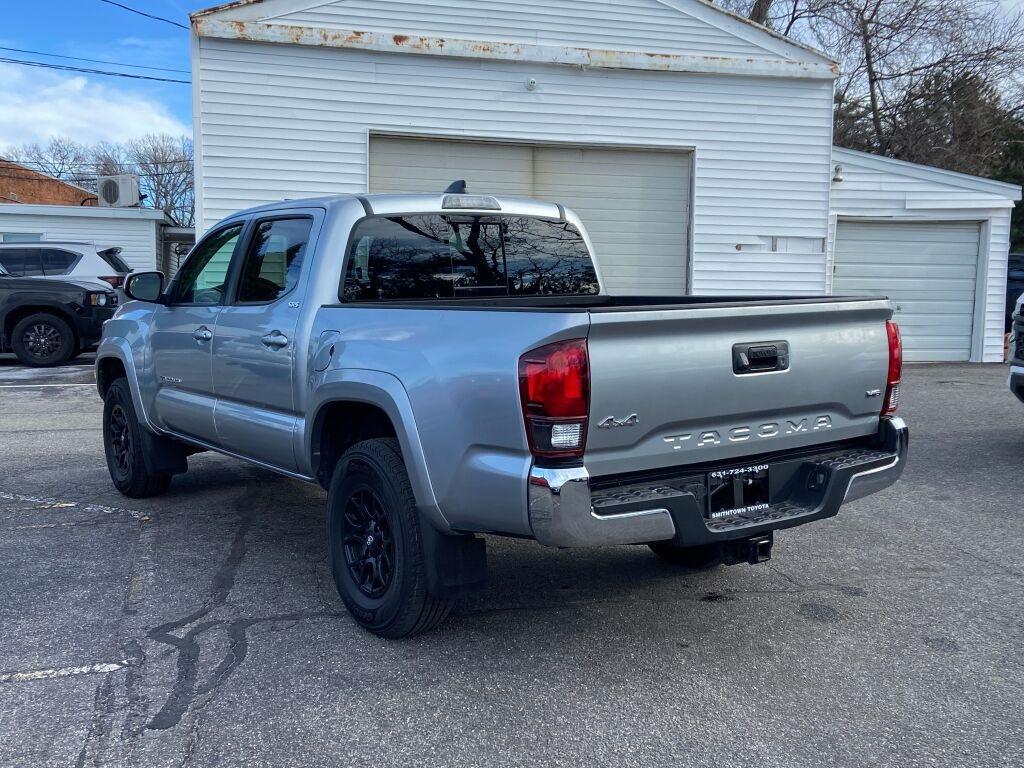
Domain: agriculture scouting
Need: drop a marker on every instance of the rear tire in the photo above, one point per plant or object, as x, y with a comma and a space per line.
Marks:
696, 558
43, 339
375, 543
122, 443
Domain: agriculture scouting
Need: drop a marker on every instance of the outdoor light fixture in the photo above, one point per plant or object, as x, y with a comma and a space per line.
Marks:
837, 176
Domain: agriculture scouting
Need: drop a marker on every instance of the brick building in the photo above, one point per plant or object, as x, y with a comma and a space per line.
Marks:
19, 184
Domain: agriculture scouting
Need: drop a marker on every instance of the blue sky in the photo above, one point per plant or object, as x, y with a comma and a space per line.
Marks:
38, 103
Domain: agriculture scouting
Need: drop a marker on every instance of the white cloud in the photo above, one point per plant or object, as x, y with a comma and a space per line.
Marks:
37, 104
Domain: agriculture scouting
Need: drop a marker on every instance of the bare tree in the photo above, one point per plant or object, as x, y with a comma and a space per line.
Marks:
61, 158
163, 163
893, 51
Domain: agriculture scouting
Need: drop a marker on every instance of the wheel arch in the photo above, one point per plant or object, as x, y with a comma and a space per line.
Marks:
114, 360
352, 405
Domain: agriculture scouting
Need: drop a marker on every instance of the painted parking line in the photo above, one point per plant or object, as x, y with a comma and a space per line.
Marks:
50, 674
43, 503
34, 386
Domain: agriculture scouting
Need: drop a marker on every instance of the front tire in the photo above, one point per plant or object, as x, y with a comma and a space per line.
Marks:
696, 558
42, 340
375, 543
122, 443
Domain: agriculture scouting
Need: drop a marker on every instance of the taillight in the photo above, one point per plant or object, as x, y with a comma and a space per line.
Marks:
116, 281
554, 387
892, 381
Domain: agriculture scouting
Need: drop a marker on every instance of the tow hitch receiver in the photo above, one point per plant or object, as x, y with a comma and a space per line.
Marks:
756, 549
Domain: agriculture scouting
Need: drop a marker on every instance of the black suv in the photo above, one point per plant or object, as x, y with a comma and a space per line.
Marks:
47, 322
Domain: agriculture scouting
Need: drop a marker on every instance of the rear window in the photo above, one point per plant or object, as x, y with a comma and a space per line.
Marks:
114, 260
393, 258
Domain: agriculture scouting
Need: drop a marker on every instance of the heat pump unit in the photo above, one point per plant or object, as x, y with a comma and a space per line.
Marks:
119, 191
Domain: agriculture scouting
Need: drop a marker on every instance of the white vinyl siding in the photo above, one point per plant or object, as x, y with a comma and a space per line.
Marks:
634, 204
136, 234
929, 272
635, 25
289, 121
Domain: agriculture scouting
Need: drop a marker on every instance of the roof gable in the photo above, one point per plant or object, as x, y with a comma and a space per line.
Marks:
682, 35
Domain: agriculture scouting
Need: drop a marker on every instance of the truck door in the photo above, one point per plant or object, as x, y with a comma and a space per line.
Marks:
182, 333
255, 345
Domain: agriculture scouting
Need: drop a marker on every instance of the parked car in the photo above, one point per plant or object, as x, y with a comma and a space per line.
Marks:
59, 260
1014, 285
1016, 351
48, 322
449, 365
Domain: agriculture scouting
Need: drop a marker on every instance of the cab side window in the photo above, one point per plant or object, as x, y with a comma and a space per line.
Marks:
202, 278
274, 259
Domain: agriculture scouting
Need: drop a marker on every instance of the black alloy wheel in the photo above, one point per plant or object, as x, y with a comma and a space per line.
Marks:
375, 543
41, 340
369, 543
125, 448
120, 440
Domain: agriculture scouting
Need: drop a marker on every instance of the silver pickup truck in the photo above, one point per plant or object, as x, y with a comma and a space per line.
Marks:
448, 365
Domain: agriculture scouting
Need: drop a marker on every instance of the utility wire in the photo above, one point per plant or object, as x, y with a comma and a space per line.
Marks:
79, 166
91, 177
92, 61
143, 13
69, 68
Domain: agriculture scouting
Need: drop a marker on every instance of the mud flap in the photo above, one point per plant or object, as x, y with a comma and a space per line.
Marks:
456, 566
162, 455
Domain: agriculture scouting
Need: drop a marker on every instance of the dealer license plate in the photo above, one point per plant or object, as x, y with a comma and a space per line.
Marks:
738, 490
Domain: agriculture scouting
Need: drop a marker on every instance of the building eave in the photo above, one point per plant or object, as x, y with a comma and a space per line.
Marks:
84, 211
208, 27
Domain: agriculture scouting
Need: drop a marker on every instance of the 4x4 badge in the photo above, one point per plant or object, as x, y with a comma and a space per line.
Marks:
630, 421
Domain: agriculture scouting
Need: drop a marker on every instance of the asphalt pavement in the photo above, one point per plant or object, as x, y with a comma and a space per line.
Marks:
202, 628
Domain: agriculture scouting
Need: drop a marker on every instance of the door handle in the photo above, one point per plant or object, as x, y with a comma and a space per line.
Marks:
274, 340
202, 333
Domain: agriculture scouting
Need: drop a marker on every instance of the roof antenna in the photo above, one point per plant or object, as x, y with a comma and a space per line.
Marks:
456, 188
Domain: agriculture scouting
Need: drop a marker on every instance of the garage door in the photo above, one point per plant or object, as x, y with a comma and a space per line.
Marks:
635, 204
928, 270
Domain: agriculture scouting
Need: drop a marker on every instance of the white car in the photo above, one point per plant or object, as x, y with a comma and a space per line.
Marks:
63, 260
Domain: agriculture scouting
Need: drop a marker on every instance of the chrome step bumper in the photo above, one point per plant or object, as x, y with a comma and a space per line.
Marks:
568, 510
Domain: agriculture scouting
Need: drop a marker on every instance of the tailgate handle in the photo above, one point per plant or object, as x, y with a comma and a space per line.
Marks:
760, 357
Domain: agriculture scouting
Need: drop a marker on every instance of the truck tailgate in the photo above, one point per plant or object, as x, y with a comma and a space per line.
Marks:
669, 388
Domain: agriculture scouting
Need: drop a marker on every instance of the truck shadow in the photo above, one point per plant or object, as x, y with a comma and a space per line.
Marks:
569, 592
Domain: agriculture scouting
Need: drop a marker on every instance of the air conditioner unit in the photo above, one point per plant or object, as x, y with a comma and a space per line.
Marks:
119, 191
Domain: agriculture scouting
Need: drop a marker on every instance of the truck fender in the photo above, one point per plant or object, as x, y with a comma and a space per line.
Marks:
119, 349
162, 455
385, 391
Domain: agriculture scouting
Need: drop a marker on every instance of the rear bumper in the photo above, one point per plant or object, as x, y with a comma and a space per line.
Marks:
568, 509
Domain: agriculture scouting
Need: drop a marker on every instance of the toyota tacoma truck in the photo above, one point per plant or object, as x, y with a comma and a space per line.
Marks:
449, 365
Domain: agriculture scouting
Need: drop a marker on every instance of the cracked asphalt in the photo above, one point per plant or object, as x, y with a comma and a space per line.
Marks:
202, 628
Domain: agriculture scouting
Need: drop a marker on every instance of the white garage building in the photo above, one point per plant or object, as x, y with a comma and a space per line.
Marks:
695, 146
137, 231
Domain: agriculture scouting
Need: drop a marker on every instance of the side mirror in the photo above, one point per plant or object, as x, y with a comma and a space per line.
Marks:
144, 286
